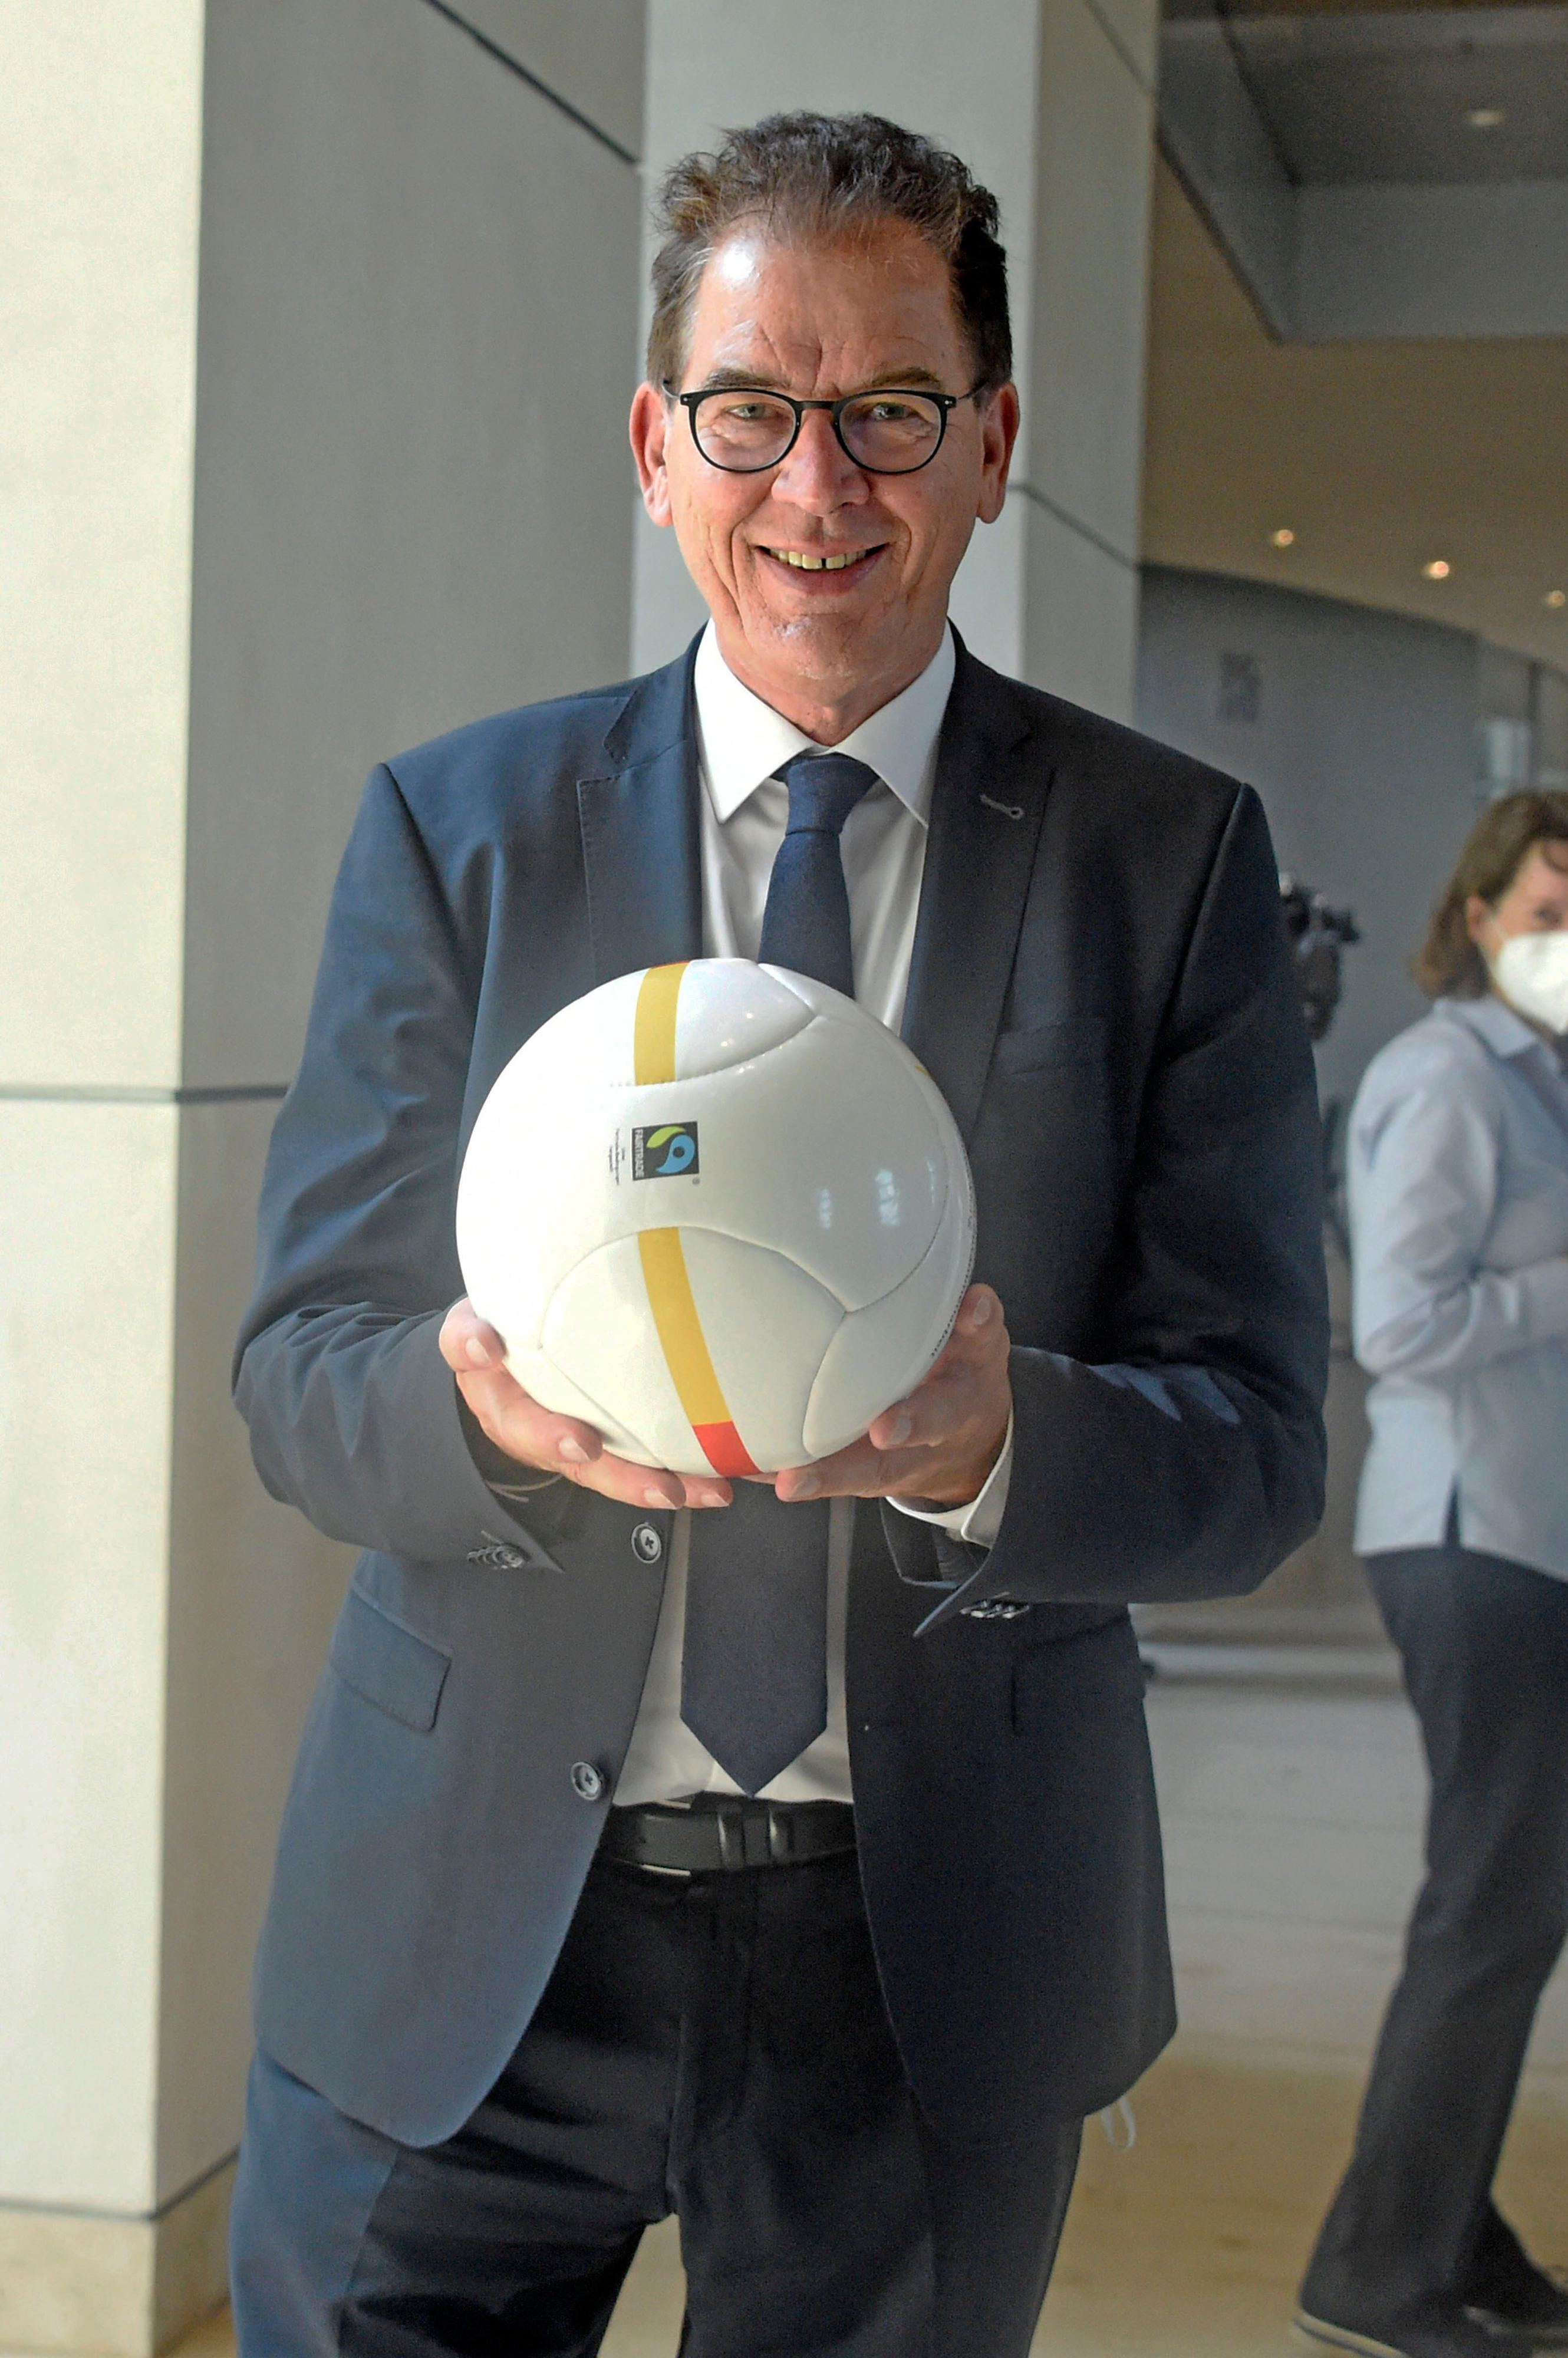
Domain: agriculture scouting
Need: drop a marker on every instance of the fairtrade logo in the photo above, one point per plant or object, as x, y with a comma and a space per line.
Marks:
667, 1152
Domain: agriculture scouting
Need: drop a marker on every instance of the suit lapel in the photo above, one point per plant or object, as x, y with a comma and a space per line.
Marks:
989, 798
642, 859
640, 841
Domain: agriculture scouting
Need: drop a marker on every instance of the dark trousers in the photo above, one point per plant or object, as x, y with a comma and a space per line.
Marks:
1484, 1645
718, 2048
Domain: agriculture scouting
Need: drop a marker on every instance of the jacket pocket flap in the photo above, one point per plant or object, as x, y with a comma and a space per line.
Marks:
1069, 1040
388, 1665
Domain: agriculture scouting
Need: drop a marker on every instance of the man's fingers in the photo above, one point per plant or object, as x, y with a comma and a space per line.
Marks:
635, 1486
537, 1437
979, 1330
703, 1490
467, 1342
942, 1440
980, 1308
517, 1423
649, 1486
512, 1418
940, 1408
852, 1473
935, 1414
940, 1404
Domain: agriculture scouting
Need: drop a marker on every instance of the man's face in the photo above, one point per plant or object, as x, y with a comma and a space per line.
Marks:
826, 648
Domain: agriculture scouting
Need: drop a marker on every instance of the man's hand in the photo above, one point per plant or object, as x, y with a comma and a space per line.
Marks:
938, 1447
557, 1445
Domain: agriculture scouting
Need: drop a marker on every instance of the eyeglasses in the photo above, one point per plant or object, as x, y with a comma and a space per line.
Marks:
747, 428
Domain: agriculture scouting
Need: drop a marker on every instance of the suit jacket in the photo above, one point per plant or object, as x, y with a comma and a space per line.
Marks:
1100, 987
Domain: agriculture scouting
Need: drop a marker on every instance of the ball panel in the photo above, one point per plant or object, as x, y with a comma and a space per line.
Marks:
537, 1192
602, 1356
599, 1333
557, 1132
880, 1353
960, 1178
538, 1375
731, 1011
786, 1160
767, 1324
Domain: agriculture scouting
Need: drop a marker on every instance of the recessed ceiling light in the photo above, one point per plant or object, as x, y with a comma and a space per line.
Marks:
1438, 569
1283, 538
1485, 118
1555, 598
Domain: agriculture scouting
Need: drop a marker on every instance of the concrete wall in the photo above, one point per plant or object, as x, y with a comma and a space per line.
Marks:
317, 349
101, 153
1363, 749
1050, 102
1358, 728
418, 296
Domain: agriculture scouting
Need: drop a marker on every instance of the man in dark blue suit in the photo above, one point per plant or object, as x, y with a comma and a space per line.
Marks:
784, 1855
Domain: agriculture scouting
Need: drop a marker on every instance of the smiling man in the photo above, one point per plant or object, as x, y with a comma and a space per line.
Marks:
784, 1857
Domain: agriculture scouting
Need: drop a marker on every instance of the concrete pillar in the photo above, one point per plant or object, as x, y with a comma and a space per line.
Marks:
1051, 102
317, 338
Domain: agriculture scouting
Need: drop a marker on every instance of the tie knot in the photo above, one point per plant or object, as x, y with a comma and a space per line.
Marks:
823, 790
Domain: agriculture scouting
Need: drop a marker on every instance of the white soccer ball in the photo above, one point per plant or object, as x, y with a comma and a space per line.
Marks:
720, 1213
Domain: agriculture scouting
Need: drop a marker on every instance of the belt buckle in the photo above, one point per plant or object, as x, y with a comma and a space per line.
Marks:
745, 1836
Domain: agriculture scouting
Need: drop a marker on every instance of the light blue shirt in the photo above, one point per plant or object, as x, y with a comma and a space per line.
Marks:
1458, 1184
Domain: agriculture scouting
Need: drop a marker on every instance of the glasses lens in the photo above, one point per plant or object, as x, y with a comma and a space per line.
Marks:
892, 433
743, 430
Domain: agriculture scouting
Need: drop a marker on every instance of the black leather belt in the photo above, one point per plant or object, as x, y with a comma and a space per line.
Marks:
718, 1835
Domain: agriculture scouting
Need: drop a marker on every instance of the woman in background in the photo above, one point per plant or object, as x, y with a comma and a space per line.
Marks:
1458, 1156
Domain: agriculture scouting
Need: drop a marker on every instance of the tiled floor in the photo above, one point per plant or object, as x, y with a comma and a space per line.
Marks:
1187, 2246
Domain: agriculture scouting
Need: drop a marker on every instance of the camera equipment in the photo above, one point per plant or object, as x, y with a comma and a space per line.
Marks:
1317, 934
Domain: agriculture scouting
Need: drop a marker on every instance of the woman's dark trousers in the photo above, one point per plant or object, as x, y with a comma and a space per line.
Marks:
1485, 1644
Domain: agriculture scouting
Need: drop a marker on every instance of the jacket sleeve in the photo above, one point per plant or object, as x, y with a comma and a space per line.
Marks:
354, 1417
1425, 1185
1189, 1461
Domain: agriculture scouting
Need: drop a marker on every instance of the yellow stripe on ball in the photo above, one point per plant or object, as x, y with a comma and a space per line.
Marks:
685, 1351
654, 1030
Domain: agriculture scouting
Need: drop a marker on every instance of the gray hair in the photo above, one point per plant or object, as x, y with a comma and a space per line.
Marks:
829, 177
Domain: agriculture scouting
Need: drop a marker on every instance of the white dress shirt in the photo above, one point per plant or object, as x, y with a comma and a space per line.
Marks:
1458, 1172
741, 742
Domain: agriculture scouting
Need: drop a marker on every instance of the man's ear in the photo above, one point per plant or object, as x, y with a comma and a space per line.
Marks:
650, 431
999, 433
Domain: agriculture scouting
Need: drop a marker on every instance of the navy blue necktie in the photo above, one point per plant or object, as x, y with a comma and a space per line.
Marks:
805, 925
754, 1653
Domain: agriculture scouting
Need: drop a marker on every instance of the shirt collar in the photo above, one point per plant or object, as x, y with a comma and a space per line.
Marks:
1506, 1034
744, 741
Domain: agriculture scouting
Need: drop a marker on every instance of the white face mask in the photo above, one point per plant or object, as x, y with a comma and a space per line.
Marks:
1530, 970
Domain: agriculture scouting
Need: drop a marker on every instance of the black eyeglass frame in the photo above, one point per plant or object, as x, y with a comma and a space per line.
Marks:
944, 403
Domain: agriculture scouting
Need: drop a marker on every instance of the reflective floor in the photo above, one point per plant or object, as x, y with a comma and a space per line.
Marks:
1187, 2246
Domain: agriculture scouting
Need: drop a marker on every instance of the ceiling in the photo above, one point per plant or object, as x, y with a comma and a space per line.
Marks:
1422, 96
1379, 457
1375, 170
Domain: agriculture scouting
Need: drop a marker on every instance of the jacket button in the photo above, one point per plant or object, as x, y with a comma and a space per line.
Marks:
587, 1782
497, 1557
648, 1542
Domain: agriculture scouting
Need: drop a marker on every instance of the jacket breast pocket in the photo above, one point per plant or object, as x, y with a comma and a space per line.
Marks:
399, 1673
1068, 1040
